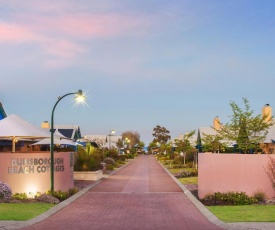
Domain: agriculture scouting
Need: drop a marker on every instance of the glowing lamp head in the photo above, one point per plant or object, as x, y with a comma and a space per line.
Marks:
80, 97
112, 132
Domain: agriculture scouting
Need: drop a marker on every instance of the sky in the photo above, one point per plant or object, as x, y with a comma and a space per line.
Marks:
173, 63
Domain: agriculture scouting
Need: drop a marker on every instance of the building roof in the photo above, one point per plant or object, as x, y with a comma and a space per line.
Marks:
70, 131
207, 131
14, 126
104, 140
211, 131
270, 137
2, 112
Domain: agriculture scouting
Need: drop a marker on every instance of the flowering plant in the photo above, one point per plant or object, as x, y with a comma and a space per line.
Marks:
5, 191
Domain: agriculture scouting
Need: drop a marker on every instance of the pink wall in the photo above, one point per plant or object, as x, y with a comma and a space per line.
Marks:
30, 172
233, 172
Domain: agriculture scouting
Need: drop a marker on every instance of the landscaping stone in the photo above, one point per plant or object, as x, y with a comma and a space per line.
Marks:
270, 201
48, 199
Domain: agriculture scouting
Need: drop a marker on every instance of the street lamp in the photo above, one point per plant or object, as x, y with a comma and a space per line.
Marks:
127, 142
112, 132
79, 98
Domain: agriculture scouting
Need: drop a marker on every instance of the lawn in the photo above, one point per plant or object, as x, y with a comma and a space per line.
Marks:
22, 211
186, 180
189, 180
244, 213
178, 170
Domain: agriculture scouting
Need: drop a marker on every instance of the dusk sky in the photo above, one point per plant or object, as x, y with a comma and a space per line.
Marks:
174, 63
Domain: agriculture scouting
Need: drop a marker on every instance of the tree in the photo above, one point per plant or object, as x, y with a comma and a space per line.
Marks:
152, 145
133, 136
185, 145
119, 143
161, 135
212, 143
245, 129
141, 144
270, 171
166, 148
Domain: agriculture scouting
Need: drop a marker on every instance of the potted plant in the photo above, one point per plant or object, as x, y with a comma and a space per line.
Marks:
87, 165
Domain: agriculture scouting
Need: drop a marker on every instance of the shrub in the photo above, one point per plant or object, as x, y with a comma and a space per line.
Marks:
110, 166
37, 194
20, 196
5, 191
60, 195
229, 198
112, 153
259, 196
270, 171
72, 191
130, 156
194, 173
184, 173
122, 157
178, 160
109, 161
85, 161
63, 195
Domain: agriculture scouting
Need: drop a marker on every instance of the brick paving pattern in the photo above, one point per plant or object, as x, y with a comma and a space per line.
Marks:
140, 196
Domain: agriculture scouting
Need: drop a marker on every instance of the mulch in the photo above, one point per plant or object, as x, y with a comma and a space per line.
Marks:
82, 184
193, 188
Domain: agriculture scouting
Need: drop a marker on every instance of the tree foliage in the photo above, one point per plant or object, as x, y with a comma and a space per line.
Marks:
245, 129
185, 146
152, 145
133, 136
161, 135
141, 144
87, 159
212, 143
119, 143
166, 148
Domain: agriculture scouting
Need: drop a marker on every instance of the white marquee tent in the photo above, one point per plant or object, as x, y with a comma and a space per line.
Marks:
57, 141
15, 128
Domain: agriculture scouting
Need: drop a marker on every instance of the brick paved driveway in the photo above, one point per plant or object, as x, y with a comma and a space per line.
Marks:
140, 196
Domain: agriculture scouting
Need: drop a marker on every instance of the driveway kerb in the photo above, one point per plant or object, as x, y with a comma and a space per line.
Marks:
8, 225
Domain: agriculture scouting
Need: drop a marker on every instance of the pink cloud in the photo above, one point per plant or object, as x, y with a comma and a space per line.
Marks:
98, 25
62, 48
67, 18
85, 26
16, 33
59, 36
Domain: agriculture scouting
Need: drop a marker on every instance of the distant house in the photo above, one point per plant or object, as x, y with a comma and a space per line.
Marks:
213, 131
269, 143
104, 141
267, 146
2, 112
70, 131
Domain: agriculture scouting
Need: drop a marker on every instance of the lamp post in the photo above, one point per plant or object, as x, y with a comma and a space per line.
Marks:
80, 98
112, 132
127, 142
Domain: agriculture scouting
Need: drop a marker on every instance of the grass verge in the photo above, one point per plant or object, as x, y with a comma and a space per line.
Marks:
189, 180
22, 211
244, 213
178, 170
